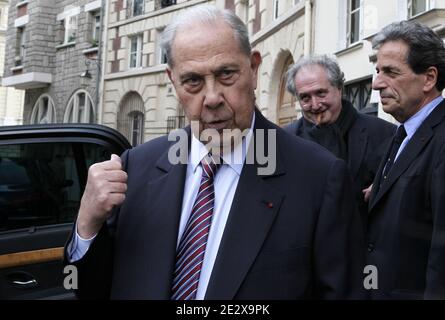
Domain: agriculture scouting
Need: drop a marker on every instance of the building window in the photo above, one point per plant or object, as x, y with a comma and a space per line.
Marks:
96, 28
359, 94
69, 27
354, 9
244, 11
161, 55
135, 51
138, 7
22, 43
43, 111
416, 7
137, 126
80, 108
159, 4
20, 48
296, 2
276, 9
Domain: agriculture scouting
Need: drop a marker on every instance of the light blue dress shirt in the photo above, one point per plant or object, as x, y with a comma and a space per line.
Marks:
412, 124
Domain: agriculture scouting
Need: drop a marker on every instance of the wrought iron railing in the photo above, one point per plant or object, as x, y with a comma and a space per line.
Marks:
175, 122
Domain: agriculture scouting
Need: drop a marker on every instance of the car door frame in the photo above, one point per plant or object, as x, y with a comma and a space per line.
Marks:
28, 248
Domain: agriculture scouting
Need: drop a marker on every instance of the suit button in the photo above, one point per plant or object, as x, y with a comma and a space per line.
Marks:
370, 247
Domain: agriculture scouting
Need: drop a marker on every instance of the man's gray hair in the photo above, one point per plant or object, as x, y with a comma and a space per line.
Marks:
426, 48
206, 15
335, 76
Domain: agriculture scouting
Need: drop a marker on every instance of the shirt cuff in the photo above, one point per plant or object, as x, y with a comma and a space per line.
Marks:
79, 246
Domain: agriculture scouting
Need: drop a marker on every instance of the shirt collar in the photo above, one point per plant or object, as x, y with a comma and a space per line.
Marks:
232, 159
412, 124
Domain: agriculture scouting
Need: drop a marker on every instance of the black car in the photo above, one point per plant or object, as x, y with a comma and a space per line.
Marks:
43, 172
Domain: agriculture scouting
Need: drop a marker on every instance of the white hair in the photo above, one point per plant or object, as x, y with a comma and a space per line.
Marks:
204, 14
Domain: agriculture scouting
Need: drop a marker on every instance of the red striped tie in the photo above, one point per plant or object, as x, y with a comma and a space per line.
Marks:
191, 249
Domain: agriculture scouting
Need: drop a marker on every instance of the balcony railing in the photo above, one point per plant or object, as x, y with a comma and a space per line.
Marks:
175, 122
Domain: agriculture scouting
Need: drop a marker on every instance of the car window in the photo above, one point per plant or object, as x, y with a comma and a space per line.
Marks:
42, 183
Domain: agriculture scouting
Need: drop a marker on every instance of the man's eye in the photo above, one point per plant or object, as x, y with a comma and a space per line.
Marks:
392, 73
227, 76
305, 99
192, 82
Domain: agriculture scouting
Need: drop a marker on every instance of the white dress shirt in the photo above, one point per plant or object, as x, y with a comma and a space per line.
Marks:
413, 123
225, 184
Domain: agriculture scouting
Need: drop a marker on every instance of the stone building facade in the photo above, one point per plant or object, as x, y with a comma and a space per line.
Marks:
11, 100
140, 101
53, 53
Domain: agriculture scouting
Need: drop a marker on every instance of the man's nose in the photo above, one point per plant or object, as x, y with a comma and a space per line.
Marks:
378, 83
315, 103
213, 94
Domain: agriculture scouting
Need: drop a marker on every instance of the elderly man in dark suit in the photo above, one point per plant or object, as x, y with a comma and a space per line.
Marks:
406, 236
332, 122
203, 230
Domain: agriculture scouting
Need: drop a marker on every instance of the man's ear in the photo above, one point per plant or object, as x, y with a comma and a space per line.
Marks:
169, 73
255, 61
431, 75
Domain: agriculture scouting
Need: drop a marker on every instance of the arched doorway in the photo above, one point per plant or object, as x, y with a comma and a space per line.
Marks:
131, 118
286, 111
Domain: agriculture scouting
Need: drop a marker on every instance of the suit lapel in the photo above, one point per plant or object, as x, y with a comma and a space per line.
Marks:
378, 178
356, 148
412, 149
417, 143
166, 194
253, 211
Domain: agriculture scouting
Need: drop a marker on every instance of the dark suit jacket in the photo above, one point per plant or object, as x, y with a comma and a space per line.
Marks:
406, 236
306, 245
366, 142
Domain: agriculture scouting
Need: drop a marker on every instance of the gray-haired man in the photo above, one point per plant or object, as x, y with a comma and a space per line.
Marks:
332, 122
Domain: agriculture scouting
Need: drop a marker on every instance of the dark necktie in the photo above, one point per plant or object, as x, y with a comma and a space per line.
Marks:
191, 249
396, 142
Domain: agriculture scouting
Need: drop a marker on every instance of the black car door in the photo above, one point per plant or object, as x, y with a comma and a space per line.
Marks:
43, 172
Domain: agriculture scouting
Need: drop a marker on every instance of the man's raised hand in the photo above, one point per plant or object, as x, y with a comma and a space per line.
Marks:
106, 187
